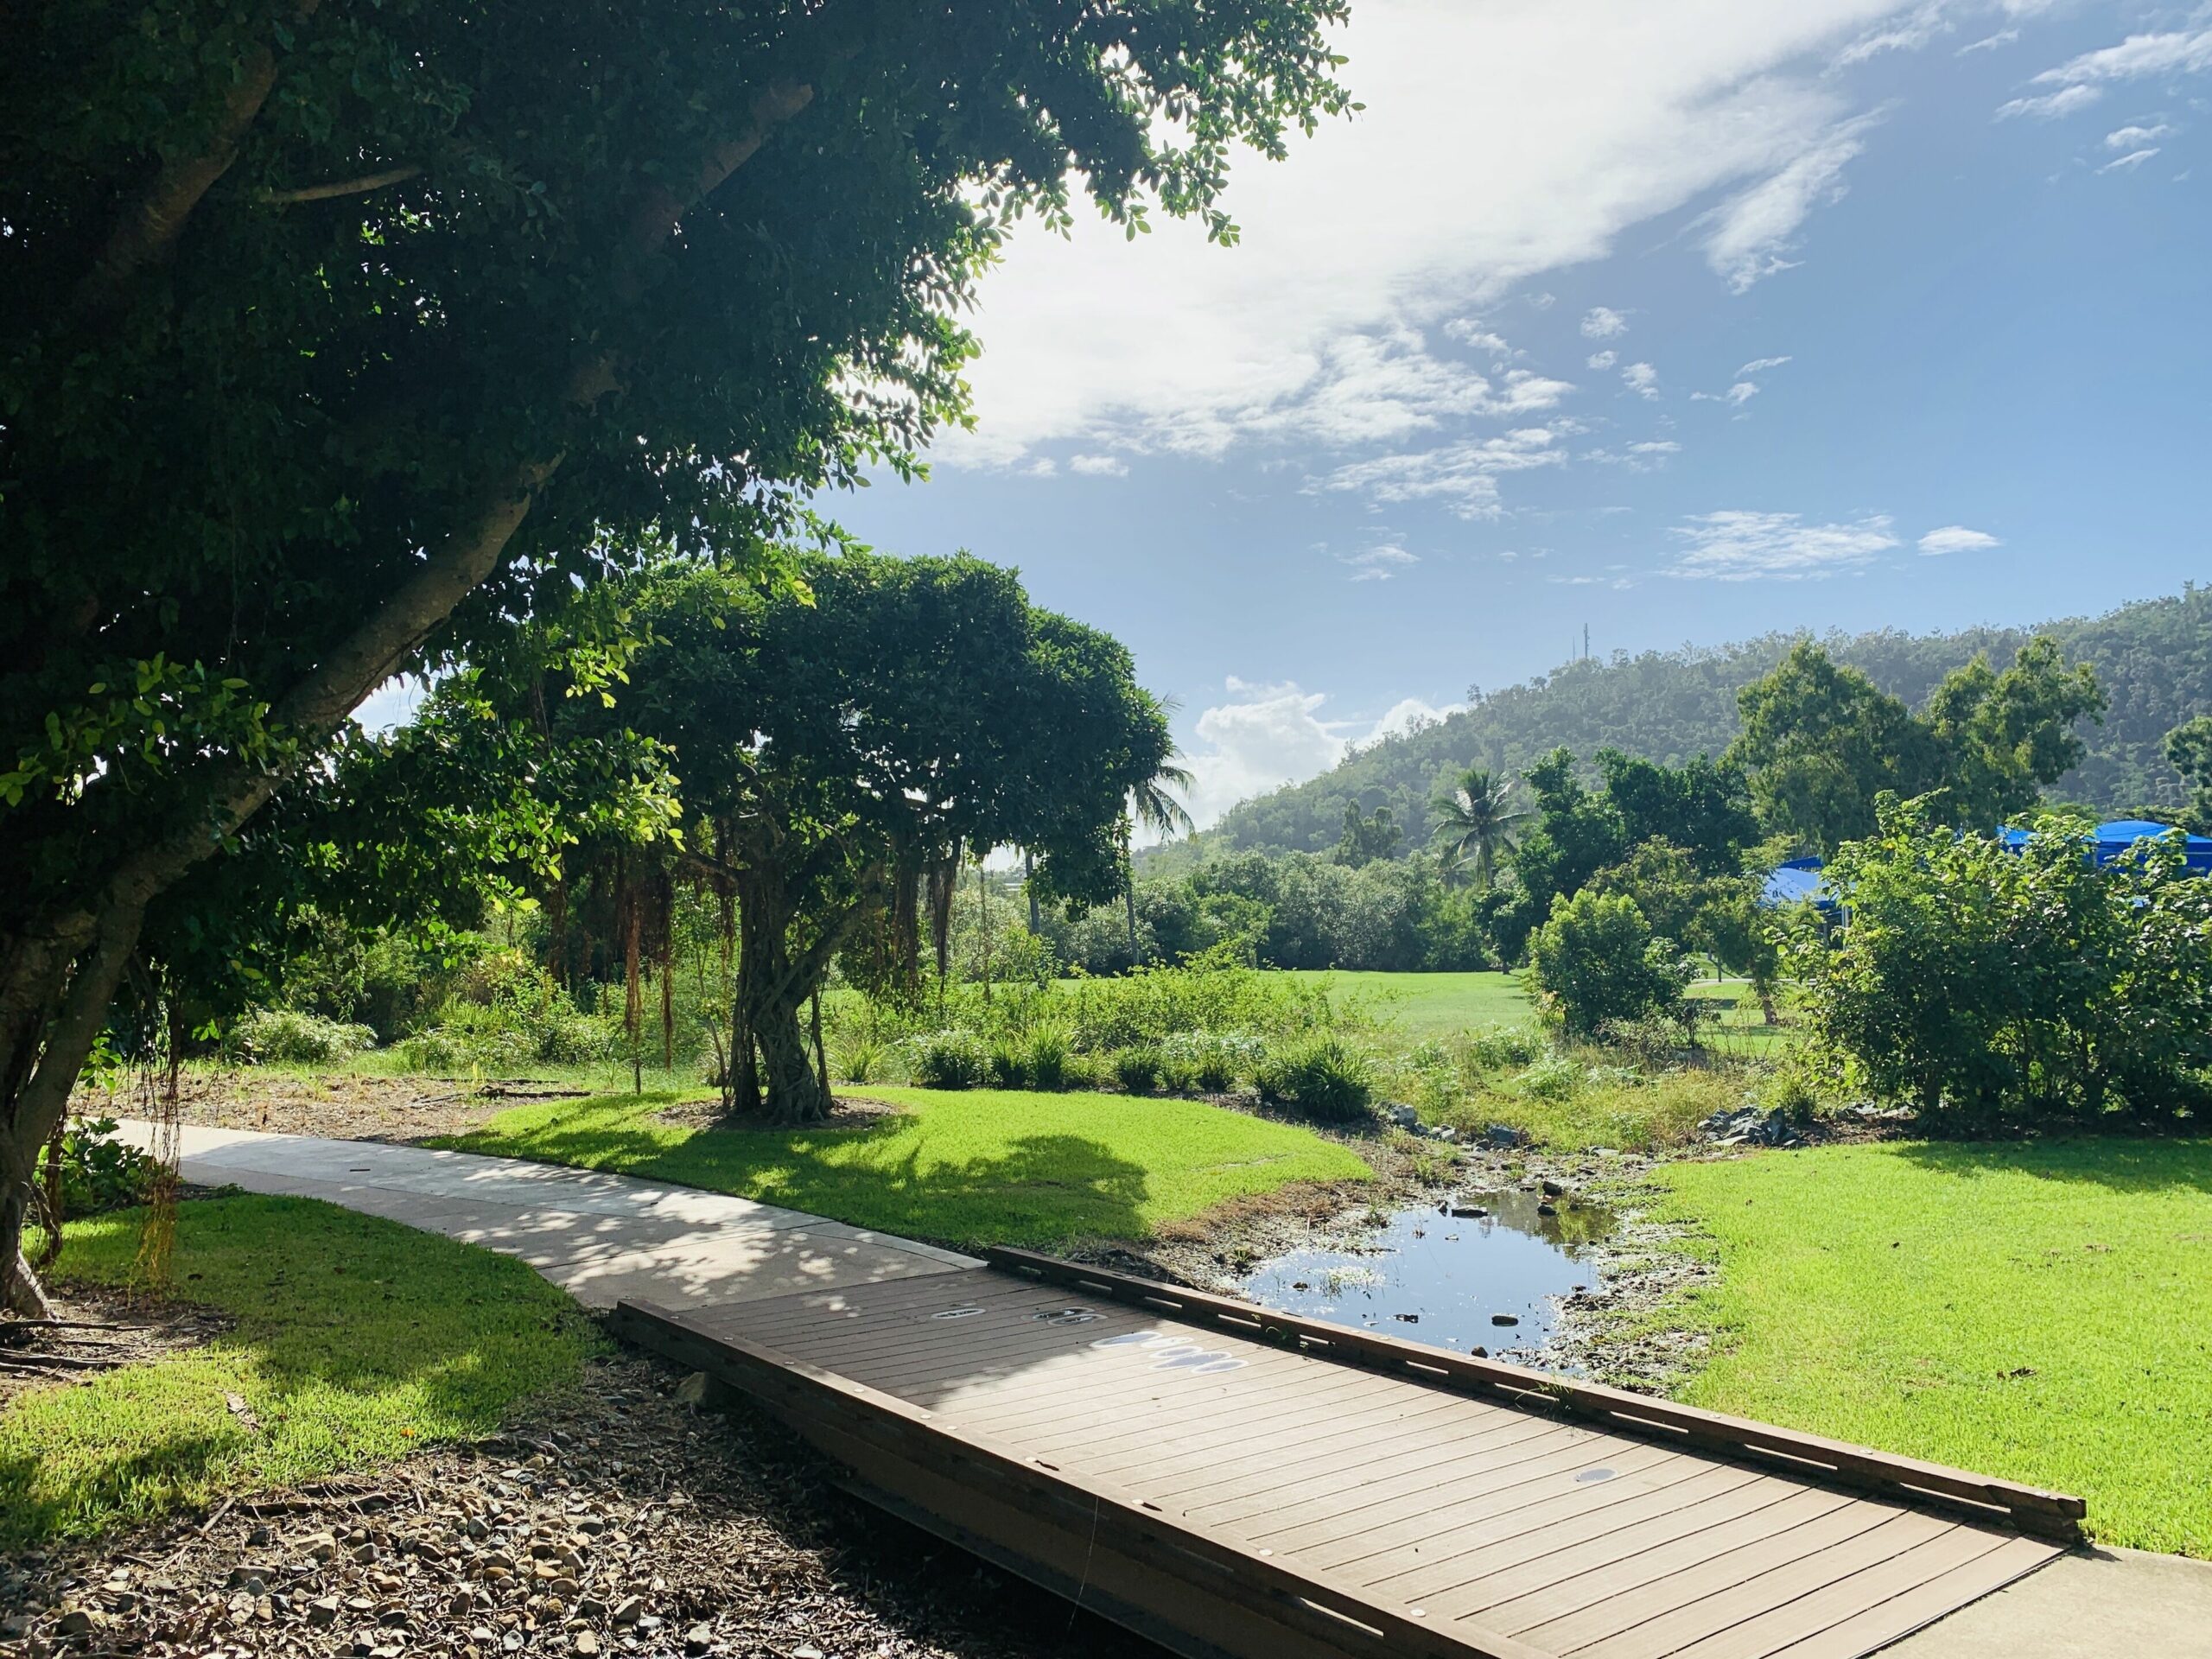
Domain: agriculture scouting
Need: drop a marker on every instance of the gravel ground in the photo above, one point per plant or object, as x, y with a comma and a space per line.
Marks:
616, 1520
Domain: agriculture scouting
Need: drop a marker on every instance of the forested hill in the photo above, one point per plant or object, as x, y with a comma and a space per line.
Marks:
2154, 660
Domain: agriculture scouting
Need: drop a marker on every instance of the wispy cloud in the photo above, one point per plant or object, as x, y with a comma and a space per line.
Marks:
1760, 365
1462, 476
2131, 160
1956, 538
2135, 137
1603, 322
1656, 446
1736, 396
2050, 106
1991, 42
1098, 466
1642, 379
1378, 563
1906, 35
2081, 80
1470, 333
1754, 230
1603, 359
1738, 546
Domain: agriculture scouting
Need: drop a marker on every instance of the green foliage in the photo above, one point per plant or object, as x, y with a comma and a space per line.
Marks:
1322, 1074
1984, 986
1503, 1046
1046, 1059
949, 1059
505, 1012
859, 1058
1476, 822
2153, 659
1155, 1004
289, 1037
1137, 1068
2189, 749
1009, 1063
1213, 1062
1366, 839
100, 1172
1598, 960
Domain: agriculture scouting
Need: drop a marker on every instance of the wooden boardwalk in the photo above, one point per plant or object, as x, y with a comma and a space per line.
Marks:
1231, 1481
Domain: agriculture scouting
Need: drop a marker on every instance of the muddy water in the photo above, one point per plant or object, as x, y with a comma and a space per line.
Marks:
1464, 1282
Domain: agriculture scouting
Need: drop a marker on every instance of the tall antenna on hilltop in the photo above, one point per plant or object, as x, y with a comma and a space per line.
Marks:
1585, 642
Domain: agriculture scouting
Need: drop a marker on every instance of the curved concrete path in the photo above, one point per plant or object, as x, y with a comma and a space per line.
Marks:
602, 1237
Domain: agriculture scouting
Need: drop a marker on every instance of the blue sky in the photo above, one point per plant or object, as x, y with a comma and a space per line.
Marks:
1683, 321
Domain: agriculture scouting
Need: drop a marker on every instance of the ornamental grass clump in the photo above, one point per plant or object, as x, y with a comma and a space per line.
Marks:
949, 1059
1321, 1075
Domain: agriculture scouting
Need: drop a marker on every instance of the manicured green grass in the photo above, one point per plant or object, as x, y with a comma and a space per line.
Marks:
356, 1341
2040, 1311
1429, 1004
975, 1166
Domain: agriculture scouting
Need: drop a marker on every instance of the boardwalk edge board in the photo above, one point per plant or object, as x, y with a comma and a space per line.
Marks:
2055, 1516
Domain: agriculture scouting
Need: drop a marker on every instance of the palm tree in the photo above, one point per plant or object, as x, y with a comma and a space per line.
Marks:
1151, 806
1478, 822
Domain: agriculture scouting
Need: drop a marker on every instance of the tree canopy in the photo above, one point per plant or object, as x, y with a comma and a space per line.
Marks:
335, 339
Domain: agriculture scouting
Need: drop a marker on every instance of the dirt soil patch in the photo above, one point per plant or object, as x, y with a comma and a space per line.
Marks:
339, 1105
616, 1520
100, 1329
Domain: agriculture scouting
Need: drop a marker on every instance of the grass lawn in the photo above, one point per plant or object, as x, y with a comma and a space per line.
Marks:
976, 1167
1429, 1004
356, 1340
2042, 1312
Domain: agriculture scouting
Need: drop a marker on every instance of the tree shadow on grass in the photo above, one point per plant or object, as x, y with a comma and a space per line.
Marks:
356, 1339
1040, 1190
2131, 1164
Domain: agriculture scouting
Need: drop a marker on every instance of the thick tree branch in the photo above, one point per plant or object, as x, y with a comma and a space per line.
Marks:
359, 186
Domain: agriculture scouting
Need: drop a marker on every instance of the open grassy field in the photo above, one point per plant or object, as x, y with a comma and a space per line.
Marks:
356, 1340
2042, 1312
972, 1166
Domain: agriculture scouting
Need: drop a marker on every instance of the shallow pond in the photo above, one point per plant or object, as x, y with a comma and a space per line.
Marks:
1462, 1282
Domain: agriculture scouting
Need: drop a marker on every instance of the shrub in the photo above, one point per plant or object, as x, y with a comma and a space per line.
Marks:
1010, 1063
1596, 960
950, 1059
1211, 1061
859, 1058
1555, 1076
289, 1037
1321, 1074
1047, 1056
1496, 1047
100, 1172
1137, 1068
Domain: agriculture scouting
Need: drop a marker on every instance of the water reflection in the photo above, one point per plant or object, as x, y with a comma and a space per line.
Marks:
1481, 1270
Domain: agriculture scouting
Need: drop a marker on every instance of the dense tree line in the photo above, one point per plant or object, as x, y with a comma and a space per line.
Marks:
2152, 659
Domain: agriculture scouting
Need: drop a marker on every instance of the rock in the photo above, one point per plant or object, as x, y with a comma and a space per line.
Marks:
591, 1607
78, 1621
1443, 1132
1479, 1351
703, 1393
1548, 1208
1469, 1211
1505, 1319
1404, 1117
364, 1553
322, 1612
628, 1610
585, 1644
1503, 1136
460, 1604
322, 1548
1554, 1189
1409, 1318
697, 1640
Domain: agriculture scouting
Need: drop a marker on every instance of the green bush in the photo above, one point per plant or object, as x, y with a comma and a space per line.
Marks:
1137, 1068
949, 1059
1495, 1048
1046, 1054
289, 1037
1321, 1074
100, 1173
1596, 960
1555, 1076
860, 1059
1009, 1063
1211, 1061
510, 1015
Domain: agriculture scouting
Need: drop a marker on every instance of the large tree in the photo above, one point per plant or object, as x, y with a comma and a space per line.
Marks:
1475, 821
845, 747
332, 336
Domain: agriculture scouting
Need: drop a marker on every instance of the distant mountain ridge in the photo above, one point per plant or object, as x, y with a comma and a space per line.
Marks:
2153, 658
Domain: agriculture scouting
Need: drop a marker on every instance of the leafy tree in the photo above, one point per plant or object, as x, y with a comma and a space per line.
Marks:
1477, 821
1703, 807
1598, 960
1579, 831
845, 748
1984, 985
2188, 746
2002, 736
1152, 805
1368, 838
332, 339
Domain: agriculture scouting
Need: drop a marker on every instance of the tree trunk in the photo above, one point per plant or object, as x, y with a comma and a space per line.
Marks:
1029, 886
777, 997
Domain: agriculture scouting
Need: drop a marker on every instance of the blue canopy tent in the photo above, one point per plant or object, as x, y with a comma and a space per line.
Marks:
1799, 881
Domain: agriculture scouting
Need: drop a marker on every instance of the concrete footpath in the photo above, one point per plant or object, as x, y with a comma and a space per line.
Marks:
602, 1237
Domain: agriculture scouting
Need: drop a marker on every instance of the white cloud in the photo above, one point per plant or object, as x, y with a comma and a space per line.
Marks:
1476, 338
1747, 546
1656, 446
1736, 394
1603, 322
1907, 34
2132, 160
1462, 475
1956, 538
1409, 714
2137, 55
2051, 105
1263, 736
1991, 42
2135, 137
391, 704
1754, 230
1760, 365
1642, 379
1098, 466
1043, 467
1598, 117
1378, 563
1603, 359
